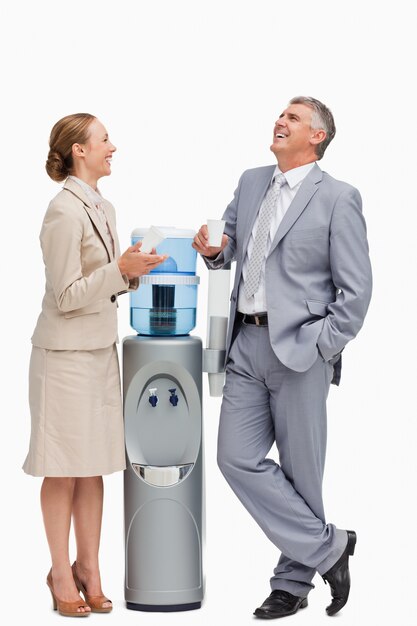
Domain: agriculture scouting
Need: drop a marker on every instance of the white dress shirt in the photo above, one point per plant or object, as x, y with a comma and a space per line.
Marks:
294, 178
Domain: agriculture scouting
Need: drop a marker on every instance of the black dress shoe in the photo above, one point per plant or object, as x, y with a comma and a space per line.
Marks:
280, 604
338, 577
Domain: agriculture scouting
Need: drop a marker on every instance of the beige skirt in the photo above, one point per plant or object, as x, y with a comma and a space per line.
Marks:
76, 413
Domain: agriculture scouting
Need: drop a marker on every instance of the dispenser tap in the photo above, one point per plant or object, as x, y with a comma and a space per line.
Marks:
173, 398
153, 398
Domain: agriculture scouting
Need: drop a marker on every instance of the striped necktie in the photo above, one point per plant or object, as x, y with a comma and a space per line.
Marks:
257, 256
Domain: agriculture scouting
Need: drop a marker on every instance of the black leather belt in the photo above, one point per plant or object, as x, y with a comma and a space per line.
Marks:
261, 319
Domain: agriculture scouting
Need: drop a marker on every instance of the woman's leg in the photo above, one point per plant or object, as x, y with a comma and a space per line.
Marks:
87, 513
56, 502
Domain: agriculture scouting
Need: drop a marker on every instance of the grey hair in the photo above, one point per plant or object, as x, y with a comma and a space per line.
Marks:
322, 118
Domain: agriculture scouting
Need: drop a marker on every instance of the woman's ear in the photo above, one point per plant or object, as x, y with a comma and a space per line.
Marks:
78, 150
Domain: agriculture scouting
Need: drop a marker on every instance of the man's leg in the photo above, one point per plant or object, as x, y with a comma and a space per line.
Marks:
246, 434
298, 406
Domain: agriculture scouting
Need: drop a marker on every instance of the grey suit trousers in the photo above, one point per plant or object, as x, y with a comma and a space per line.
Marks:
266, 402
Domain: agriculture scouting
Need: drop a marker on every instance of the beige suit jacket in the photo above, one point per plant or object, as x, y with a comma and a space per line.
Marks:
79, 308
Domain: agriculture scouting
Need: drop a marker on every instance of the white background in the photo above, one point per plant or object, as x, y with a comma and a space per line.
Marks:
189, 92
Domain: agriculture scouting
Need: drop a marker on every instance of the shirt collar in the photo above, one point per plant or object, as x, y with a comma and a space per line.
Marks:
296, 175
93, 195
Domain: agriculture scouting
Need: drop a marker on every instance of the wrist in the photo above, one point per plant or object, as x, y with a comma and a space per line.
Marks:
122, 266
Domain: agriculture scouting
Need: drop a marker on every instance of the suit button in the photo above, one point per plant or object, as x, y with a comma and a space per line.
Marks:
113, 298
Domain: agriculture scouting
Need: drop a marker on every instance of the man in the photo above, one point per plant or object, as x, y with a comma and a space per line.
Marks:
302, 289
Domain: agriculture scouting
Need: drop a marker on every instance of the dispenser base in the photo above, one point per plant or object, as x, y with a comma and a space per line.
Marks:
163, 608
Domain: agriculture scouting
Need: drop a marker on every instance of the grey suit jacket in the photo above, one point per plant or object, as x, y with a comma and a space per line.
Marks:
79, 308
318, 273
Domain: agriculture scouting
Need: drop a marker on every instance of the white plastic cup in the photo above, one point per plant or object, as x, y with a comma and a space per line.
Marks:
152, 238
215, 232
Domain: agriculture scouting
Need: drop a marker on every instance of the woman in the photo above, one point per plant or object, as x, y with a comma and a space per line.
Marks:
74, 385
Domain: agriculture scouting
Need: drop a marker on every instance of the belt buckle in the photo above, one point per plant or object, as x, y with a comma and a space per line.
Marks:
257, 320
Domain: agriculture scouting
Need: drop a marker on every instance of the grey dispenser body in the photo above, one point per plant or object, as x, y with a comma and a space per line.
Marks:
163, 482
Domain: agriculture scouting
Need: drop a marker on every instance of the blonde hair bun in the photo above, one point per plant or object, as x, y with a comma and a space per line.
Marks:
55, 166
65, 133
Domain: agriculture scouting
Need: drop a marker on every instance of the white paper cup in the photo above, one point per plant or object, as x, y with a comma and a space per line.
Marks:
152, 238
215, 232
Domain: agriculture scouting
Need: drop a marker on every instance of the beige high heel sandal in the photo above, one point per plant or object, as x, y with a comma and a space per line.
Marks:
94, 602
67, 609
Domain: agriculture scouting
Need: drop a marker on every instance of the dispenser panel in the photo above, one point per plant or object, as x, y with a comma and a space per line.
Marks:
162, 417
164, 430
171, 550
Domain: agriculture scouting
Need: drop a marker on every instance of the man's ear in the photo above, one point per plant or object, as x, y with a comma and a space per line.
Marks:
318, 135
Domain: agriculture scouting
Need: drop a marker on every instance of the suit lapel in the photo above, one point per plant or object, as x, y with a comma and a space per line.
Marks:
109, 211
74, 188
307, 190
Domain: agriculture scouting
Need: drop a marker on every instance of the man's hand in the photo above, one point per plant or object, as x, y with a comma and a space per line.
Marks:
200, 243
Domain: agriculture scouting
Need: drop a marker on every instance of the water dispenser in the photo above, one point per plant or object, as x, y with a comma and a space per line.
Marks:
166, 300
162, 392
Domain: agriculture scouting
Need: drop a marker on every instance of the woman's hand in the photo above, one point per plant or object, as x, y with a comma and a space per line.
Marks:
200, 243
135, 263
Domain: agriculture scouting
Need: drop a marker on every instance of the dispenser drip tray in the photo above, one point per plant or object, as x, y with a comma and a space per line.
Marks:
162, 476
